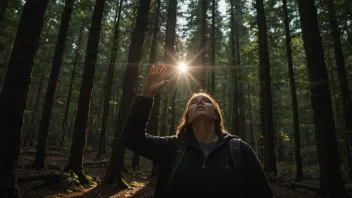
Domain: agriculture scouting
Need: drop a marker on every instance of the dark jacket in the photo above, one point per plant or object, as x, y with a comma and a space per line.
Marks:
195, 176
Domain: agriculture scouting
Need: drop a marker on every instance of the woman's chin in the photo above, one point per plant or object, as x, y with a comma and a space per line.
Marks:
201, 117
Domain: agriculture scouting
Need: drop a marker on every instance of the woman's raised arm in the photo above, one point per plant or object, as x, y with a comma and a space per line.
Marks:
134, 134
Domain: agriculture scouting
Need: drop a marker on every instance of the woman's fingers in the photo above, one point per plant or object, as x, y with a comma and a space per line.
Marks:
163, 71
159, 69
163, 83
151, 70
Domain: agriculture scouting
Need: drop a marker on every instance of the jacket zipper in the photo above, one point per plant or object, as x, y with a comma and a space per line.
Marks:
205, 158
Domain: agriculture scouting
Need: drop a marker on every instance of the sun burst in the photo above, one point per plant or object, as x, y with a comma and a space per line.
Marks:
182, 67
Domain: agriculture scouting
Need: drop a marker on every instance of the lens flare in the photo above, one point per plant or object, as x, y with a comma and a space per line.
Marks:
182, 67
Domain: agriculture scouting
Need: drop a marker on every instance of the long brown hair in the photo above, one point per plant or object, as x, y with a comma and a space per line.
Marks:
219, 122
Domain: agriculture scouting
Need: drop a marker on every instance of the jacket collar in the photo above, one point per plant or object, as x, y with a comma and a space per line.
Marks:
187, 136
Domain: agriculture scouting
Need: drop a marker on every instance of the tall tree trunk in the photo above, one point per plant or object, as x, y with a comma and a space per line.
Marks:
91, 118
341, 71
94, 127
270, 162
202, 48
68, 100
241, 114
234, 129
71, 123
154, 117
30, 136
338, 117
330, 175
75, 162
212, 70
297, 140
239, 85
250, 132
4, 62
172, 129
39, 159
169, 60
262, 118
110, 77
113, 173
14, 92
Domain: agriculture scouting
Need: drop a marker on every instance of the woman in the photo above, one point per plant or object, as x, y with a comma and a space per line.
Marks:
204, 168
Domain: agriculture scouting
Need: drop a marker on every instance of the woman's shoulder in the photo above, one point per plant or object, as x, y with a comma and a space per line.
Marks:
244, 146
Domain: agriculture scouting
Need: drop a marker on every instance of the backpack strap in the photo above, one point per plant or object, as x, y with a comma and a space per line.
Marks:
236, 155
175, 162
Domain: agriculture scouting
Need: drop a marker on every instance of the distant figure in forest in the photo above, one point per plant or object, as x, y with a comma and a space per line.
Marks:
202, 159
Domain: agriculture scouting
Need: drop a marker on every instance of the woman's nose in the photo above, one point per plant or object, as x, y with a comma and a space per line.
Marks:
199, 101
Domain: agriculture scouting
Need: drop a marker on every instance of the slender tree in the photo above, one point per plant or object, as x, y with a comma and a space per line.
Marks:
299, 172
169, 61
250, 132
39, 159
341, 71
69, 95
29, 137
14, 92
330, 175
239, 84
233, 69
202, 47
75, 161
113, 173
154, 117
268, 125
213, 41
115, 44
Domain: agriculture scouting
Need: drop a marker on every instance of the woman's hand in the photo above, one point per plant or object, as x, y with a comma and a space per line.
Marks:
154, 81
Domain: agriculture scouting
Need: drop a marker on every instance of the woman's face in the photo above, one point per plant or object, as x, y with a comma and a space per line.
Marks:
201, 107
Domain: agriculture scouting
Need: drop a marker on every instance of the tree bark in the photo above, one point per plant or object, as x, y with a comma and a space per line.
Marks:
31, 134
15, 90
269, 149
79, 134
39, 159
71, 123
202, 48
297, 139
239, 89
94, 126
330, 176
113, 173
235, 128
251, 132
341, 71
135, 160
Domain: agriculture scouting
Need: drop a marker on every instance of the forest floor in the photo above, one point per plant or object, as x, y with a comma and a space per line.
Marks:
140, 184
